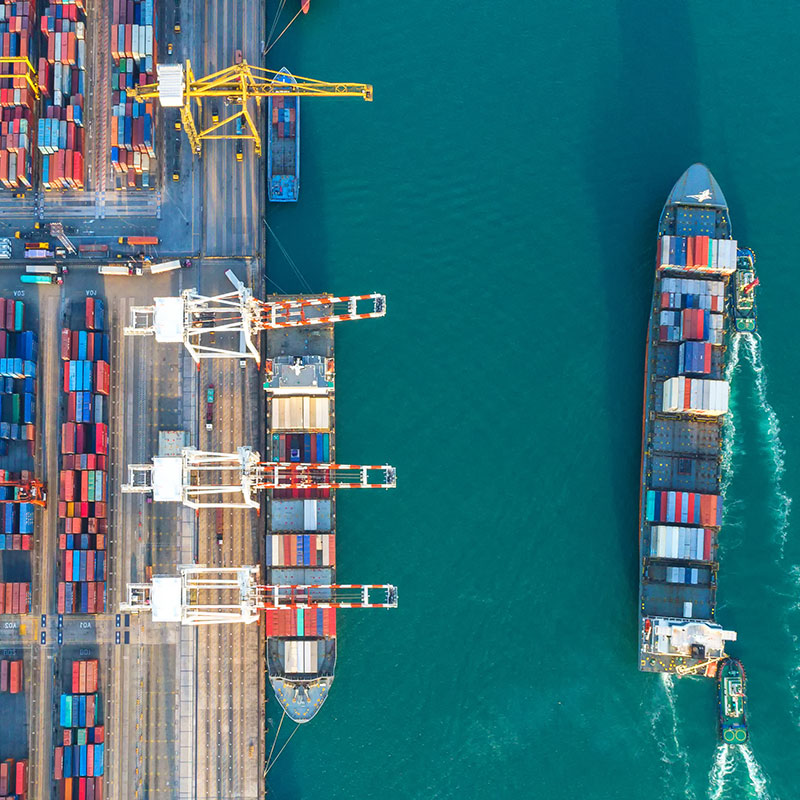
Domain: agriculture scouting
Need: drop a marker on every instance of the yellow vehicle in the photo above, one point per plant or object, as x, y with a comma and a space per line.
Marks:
176, 176
177, 27
177, 125
215, 115
239, 156
37, 245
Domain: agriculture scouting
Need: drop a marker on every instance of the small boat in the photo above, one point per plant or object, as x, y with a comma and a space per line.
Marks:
732, 700
305, 5
743, 298
283, 150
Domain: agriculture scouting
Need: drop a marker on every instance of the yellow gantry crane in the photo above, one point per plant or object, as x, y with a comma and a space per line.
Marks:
29, 74
177, 87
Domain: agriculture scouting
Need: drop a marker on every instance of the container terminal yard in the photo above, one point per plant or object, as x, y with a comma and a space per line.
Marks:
168, 463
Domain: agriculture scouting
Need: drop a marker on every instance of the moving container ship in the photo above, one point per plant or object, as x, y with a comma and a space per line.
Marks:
685, 401
301, 533
283, 152
83, 479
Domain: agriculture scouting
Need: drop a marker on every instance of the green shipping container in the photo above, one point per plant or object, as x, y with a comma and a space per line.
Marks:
15, 407
69, 711
81, 736
18, 312
91, 486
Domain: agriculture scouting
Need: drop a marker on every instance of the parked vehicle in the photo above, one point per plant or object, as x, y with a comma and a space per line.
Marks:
210, 407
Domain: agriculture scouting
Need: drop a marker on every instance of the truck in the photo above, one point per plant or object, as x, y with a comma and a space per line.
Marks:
120, 269
138, 240
210, 407
90, 249
42, 279
165, 266
37, 254
41, 269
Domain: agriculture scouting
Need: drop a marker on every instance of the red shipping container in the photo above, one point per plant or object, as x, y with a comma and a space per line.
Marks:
101, 541
89, 313
99, 734
81, 788
332, 549
2, 599
91, 592
71, 412
67, 737
4, 675
61, 593
4, 778
91, 678
17, 541
27, 541
58, 767
66, 377
81, 677
9, 591
15, 677
66, 350
68, 565
100, 510
90, 761
76, 671
98, 788
22, 777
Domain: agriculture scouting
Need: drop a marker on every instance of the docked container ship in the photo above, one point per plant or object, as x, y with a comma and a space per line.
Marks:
301, 530
685, 401
283, 151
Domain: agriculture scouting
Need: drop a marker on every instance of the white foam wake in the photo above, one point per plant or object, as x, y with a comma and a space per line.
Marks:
777, 451
758, 779
723, 765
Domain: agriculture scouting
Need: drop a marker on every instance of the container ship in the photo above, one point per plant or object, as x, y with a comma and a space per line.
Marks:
283, 151
685, 401
301, 527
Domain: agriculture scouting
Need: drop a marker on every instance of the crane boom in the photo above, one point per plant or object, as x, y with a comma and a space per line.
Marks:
28, 491
178, 87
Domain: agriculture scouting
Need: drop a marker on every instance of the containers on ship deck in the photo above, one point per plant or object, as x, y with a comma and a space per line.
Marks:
695, 395
683, 508
301, 550
694, 358
697, 253
690, 544
680, 293
312, 621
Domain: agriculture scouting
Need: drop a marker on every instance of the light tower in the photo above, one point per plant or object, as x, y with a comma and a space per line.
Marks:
205, 479
239, 318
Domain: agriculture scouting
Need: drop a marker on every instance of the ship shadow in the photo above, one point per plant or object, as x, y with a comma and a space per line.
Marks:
647, 133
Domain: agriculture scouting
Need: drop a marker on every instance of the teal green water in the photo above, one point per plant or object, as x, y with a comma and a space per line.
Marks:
503, 190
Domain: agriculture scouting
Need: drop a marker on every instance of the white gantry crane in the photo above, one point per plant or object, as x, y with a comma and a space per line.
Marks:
238, 318
204, 479
201, 595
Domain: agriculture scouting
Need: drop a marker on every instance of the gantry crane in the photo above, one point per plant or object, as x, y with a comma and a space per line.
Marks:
28, 73
193, 318
28, 490
202, 595
177, 87
233, 479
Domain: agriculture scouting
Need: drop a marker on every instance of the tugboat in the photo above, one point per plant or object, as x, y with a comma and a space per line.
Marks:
732, 702
743, 299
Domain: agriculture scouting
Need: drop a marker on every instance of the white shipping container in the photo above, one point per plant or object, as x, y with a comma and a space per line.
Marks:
309, 515
290, 657
687, 609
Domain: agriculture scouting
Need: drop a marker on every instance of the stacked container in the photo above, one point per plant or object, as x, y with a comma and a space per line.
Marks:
15, 598
62, 77
14, 778
79, 760
11, 673
301, 622
83, 479
695, 396
17, 119
19, 353
301, 550
684, 508
133, 48
304, 448
697, 253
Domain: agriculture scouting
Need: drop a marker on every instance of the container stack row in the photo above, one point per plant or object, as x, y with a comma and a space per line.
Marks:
19, 355
11, 674
62, 80
17, 103
301, 622
684, 508
15, 598
695, 396
283, 116
690, 544
301, 448
83, 478
132, 133
14, 778
697, 253
18, 521
679, 293
301, 550
79, 761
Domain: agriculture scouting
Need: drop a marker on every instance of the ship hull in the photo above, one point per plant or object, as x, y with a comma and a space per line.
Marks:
685, 400
283, 144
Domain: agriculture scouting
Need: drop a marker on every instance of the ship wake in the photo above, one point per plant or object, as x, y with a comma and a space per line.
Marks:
737, 761
773, 431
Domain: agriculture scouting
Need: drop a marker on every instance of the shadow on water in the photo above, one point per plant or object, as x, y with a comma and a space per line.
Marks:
646, 134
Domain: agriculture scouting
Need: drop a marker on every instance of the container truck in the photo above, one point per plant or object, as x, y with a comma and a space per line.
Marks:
165, 266
138, 240
41, 269
119, 269
42, 279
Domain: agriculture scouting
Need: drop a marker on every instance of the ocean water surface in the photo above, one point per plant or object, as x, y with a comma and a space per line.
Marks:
503, 190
